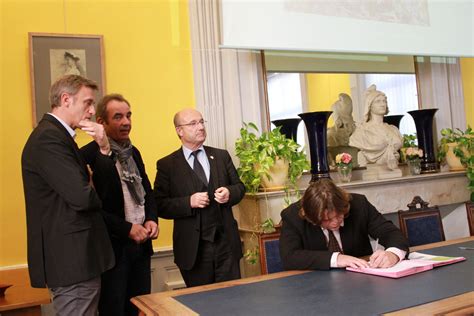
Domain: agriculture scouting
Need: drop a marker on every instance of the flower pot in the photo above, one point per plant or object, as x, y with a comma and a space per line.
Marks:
414, 165
278, 176
453, 161
344, 172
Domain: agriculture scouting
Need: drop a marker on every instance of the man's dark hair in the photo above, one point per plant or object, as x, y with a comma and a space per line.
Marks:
322, 197
101, 110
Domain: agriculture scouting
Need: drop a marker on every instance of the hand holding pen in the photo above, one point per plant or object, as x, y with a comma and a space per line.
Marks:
381, 258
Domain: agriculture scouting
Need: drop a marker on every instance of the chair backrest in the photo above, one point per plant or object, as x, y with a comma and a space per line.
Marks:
270, 260
421, 225
470, 217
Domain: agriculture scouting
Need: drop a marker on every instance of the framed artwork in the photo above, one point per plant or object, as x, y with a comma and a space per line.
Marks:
56, 55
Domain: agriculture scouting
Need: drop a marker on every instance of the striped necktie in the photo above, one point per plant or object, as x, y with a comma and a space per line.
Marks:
333, 245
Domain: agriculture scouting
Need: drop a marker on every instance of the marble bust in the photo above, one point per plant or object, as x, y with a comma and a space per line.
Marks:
377, 141
344, 125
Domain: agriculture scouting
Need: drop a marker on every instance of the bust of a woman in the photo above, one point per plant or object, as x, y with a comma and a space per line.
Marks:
377, 141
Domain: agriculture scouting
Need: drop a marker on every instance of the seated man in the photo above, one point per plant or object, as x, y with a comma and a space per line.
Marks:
330, 228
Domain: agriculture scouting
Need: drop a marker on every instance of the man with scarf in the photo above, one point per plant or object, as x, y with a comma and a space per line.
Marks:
129, 208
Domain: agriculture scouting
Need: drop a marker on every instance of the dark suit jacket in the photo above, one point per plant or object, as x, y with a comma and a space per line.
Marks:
109, 187
174, 184
67, 237
303, 245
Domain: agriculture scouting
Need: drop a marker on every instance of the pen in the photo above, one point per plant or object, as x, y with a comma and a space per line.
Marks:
376, 244
466, 248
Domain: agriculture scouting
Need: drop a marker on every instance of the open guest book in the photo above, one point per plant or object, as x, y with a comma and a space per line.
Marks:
417, 262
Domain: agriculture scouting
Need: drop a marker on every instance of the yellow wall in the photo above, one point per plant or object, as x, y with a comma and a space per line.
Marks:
147, 59
467, 71
323, 90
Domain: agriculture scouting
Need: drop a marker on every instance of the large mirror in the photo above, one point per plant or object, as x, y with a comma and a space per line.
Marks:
305, 82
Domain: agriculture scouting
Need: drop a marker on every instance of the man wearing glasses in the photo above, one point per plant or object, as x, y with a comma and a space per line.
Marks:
197, 186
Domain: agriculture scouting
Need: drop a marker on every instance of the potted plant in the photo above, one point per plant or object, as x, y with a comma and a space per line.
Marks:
412, 156
261, 155
409, 141
457, 148
344, 166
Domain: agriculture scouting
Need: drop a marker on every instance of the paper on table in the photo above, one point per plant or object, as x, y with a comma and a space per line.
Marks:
435, 260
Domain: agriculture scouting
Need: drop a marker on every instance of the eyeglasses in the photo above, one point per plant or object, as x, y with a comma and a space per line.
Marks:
194, 124
337, 218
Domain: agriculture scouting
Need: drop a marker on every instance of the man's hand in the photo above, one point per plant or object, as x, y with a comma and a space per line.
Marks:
199, 200
138, 233
97, 132
152, 228
221, 195
349, 261
91, 173
383, 259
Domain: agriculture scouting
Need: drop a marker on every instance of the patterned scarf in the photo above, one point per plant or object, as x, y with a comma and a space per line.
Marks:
130, 173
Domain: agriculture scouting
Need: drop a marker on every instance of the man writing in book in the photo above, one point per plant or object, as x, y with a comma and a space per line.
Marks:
330, 228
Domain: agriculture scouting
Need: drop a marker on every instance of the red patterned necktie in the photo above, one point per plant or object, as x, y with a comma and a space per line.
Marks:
333, 245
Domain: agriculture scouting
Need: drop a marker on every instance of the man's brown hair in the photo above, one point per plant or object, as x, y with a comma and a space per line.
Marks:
101, 110
70, 84
321, 197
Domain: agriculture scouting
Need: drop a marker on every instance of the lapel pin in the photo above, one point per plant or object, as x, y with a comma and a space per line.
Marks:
212, 157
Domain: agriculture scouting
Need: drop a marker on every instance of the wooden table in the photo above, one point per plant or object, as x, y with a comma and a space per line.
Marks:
164, 303
21, 298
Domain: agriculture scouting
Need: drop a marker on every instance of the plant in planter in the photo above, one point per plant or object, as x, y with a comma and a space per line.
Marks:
456, 143
260, 154
409, 141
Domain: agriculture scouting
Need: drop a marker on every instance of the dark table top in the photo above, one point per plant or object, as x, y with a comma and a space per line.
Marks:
339, 292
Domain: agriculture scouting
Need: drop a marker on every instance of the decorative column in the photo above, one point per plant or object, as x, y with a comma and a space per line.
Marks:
316, 126
289, 127
393, 120
424, 132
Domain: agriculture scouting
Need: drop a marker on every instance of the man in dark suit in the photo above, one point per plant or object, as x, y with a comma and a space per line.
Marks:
129, 208
330, 228
68, 245
197, 186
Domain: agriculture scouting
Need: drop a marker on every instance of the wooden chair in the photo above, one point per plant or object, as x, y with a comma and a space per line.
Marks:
270, 260
421, 225
470, 217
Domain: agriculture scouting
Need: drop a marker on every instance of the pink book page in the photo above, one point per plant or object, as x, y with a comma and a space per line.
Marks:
401, 269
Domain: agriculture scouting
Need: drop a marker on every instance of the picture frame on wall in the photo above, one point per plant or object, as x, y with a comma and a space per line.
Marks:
54, 55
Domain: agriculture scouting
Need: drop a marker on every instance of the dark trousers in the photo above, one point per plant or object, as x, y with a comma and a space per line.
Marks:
130, 277
214, 263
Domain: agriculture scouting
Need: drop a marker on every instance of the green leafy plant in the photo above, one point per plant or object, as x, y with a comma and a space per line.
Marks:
258, 154
409, 140
251, 255
267, 227
464, 150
